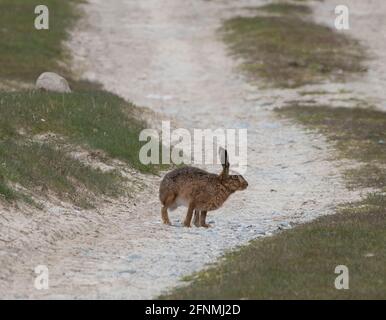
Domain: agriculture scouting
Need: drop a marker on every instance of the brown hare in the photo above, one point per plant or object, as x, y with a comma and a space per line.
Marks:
198, 190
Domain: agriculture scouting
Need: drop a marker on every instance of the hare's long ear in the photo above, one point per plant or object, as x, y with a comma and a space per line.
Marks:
224, 161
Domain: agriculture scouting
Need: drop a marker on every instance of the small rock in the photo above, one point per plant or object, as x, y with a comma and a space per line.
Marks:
381, 142
284, 225
51, 81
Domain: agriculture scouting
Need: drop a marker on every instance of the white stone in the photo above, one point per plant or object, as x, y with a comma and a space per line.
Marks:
51, 81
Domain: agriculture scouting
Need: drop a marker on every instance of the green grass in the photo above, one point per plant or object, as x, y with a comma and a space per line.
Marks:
99, 120
6, 192
26, 52
43, 168
366, 176
88, 117
287, 50
94, 120
357, 133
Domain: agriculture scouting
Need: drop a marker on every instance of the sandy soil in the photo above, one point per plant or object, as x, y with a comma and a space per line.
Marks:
167, 56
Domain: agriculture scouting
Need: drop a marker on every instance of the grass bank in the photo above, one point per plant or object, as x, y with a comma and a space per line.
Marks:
282, 45
26, 52
92, 120
89, 117
97, 119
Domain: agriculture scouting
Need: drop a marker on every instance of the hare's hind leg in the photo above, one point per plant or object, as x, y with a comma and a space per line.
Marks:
196, 219
164, 211
203, 218
189, 216
165, 216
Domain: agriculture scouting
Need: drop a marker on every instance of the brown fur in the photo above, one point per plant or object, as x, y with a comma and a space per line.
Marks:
199, 190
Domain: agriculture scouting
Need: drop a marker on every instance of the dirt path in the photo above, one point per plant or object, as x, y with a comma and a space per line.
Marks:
166, 56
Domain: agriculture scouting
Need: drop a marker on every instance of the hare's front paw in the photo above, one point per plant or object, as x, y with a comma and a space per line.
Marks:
167, 222
205, 225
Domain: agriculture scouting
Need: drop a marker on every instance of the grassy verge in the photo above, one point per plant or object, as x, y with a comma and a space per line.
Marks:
43, 167
357, 133
95, 120
99, 120
26, 52
289, 50
88, 117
